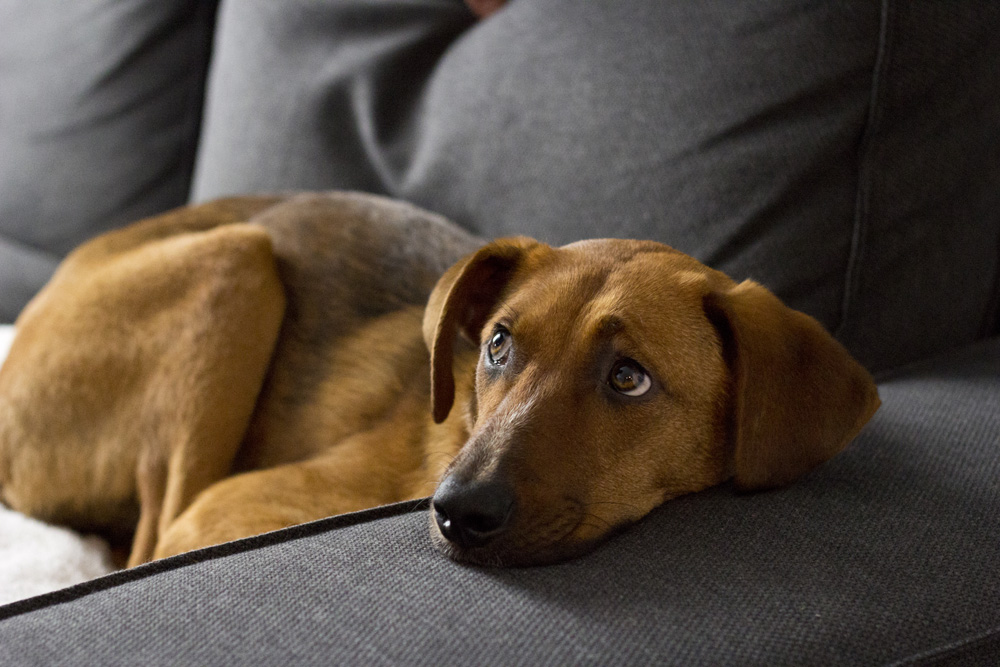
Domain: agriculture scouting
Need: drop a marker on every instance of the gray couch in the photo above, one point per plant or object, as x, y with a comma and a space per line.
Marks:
846, 154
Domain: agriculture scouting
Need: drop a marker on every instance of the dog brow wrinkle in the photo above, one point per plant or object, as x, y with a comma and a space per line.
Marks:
504, 311
609, 325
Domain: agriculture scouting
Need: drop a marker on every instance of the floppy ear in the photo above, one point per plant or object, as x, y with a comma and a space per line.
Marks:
797, 396
460, 303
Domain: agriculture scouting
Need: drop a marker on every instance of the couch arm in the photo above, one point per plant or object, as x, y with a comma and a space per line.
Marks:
887, 553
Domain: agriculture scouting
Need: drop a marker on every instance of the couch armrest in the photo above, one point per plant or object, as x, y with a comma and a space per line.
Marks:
887, 553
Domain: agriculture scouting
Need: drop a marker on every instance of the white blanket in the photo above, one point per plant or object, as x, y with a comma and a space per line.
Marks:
37, 558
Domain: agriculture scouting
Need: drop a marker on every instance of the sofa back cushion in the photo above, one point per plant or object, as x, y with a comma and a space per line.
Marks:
846, 155
99, 116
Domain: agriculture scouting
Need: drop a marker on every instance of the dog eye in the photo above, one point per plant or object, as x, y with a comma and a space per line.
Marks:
629, 378
498, 349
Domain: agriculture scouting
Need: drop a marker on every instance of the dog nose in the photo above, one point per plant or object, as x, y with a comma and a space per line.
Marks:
470, 514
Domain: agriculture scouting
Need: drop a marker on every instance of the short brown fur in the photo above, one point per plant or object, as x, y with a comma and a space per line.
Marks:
194, 379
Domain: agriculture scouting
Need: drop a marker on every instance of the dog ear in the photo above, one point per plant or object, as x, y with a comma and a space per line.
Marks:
797, 396
460, 303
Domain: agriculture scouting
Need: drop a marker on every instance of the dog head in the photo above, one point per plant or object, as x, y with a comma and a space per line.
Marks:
613, 375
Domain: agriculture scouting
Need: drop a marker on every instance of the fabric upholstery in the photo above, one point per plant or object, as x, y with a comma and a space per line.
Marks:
885, 555
844, 154
99, 116
925, 270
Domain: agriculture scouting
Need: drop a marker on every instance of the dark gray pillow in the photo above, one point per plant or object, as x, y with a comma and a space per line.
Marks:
99, 115
846, 154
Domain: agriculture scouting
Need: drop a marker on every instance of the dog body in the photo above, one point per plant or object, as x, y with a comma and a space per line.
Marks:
194, 379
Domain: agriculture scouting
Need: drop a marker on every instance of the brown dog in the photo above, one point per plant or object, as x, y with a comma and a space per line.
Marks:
192, 379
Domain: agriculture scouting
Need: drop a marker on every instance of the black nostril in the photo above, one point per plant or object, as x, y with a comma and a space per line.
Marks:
471, 514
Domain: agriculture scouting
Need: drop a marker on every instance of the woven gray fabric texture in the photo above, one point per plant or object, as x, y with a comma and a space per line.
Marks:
885, 555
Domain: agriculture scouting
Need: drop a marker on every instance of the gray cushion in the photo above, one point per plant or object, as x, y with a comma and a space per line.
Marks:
99, 119
925, 271
846, 154
887, 554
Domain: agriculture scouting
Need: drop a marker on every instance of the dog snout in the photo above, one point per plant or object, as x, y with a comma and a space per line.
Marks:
471, 514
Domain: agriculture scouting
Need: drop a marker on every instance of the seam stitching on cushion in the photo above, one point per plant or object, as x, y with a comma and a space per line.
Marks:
292, 533
866, 171
181, 158
203, 43
950, 649
28, 249
991, 320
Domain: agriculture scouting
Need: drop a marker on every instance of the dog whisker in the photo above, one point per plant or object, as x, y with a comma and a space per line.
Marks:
604, 523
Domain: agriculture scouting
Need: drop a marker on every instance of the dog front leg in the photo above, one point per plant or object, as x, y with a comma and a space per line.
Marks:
365, 470
208, 353
151, 482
